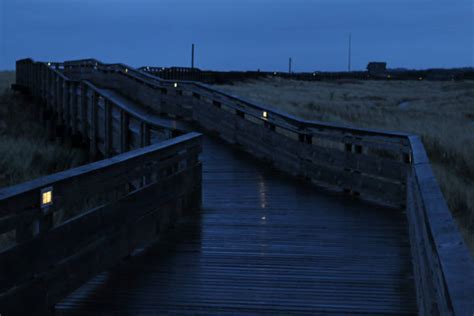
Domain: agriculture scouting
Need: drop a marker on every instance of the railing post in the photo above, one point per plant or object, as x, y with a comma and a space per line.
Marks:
46, 222
124, 121
49, 89
74, 106
44, 83
67, 103
108, 128
144, 134
93, 126
60, 98
56, 93
84, 118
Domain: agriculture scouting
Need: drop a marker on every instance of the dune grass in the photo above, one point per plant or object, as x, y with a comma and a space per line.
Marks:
441, 112
25, 152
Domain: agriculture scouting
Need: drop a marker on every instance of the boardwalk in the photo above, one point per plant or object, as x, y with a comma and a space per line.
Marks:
263, 244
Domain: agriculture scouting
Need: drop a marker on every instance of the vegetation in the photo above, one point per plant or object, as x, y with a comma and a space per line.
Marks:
441, 112
25, 152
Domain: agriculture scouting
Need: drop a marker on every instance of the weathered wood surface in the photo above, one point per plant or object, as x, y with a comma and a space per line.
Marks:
375, 164
111, 216
79, 105
101, 212
369, 163
443, 265
263, 244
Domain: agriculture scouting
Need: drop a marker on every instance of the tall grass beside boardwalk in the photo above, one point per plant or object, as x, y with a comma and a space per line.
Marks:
25, 151
441, 112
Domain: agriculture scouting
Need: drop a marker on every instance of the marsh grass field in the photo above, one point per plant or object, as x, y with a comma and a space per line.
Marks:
25, 151
442, 113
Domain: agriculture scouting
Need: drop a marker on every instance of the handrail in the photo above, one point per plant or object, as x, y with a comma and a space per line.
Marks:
88, 218
299, 123
439, 278
10, 192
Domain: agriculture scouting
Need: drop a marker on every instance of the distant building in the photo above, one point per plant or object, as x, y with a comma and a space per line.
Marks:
377, 68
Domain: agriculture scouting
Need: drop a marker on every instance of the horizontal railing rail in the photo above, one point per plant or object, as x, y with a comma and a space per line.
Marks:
59, 230
71, 225
80, 103
299, 124
442, 261
379, 165
360, 161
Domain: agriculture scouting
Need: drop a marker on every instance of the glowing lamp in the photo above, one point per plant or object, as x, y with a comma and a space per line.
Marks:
175, 84
49, 64
126, 70
314, 74
389, 76
46, 197
274, 73
265, 114
421, 78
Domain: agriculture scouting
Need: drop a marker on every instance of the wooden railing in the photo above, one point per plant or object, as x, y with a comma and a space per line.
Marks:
387, 167
64, 228
79, 106
101, 212
443, 266
360, 161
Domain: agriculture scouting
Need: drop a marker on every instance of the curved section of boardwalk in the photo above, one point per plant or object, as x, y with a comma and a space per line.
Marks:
263, 244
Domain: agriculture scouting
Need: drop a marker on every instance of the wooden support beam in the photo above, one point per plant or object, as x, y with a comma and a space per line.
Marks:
74, 108
108, 137
144, 134
66, 102
93, 125
124, 132
83, 109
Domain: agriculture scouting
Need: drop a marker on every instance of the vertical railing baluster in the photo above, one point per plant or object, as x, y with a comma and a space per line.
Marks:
144, 134
74, 106
67, 103
84, 118
93, 125
108, 128
124, 121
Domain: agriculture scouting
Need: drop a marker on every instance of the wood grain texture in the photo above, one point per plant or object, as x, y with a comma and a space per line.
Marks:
263, 244
389, 167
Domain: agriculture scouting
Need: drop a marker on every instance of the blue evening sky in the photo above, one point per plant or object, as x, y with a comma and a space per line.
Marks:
245, 34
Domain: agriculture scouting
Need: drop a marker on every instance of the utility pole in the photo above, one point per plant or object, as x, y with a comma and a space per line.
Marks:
289, 66
192, 56
349, 57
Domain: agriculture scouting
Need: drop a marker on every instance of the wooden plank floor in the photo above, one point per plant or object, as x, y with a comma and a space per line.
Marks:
263, 244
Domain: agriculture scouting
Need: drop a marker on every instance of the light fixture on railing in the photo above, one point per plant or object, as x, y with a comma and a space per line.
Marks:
175, 84
49, 64
46, 197
265, 114
126, 70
